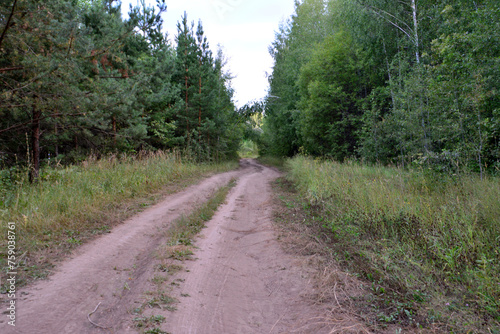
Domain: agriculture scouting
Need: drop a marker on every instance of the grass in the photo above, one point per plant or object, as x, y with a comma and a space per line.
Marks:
180, 236
428, 243
72, 204
148, 325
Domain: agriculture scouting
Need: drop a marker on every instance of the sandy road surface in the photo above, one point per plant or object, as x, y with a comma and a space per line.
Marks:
240, 282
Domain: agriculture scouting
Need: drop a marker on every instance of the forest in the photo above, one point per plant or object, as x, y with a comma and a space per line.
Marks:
77, 79
385, 115
405, 82
391, 82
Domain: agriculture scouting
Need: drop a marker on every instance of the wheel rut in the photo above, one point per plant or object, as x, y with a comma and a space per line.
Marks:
240, 281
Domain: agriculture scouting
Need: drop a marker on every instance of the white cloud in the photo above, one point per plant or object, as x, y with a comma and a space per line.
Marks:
245, 29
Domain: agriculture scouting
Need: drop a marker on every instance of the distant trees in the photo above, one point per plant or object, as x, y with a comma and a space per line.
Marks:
76, 78
331, 85
410, 81
209, 125
291, 49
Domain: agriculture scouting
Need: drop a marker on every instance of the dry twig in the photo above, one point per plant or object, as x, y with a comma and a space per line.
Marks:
93, 323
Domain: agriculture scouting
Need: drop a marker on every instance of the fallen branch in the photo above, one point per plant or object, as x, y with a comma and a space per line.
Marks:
93, 323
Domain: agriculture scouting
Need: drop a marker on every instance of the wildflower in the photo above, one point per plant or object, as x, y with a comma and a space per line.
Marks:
447, 304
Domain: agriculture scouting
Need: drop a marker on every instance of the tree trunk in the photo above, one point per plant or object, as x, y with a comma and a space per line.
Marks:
480, 150
389, 75
415, 29
199, 117
35, 145
8, 25
114, 131
199, 114
187, 108
56, 153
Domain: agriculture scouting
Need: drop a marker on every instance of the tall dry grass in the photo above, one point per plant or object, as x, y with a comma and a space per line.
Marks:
426, 232
71, 204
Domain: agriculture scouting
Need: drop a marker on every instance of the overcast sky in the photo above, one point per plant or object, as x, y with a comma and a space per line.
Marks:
244, 29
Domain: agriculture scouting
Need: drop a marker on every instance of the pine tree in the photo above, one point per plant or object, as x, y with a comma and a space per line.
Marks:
43, 47
185, 67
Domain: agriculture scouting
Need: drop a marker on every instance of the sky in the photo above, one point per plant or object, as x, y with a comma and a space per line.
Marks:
244, 28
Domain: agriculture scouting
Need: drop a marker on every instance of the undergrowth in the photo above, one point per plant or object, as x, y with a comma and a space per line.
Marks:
428, 243
70, 205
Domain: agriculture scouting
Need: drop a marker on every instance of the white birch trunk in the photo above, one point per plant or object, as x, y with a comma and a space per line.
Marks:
415, 29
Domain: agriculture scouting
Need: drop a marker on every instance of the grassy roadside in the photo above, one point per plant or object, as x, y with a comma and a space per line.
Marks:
427, 245
179, 247
73, 204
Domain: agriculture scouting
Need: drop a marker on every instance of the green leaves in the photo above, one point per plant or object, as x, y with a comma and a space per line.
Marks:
385, 81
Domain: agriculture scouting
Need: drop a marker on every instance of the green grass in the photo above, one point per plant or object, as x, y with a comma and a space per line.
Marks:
72, 204
145, 324
181, 235
432, 239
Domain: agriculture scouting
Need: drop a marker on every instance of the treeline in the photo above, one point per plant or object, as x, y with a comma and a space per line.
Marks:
77, 78
411, 81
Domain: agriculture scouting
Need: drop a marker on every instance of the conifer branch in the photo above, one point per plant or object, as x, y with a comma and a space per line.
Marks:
7, 26
8, 69
38, 119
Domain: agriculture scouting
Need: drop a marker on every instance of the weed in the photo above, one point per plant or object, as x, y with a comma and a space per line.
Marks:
158, 280
140, 322
155, 331
147, 323
157, 319
74, 241
416, 235
179, 252
162, 301
168, 268
166, 300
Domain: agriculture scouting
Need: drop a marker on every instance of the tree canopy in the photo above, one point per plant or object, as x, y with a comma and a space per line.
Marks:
77, 78
410, 81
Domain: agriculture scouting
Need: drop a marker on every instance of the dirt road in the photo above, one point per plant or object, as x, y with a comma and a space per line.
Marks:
240, 280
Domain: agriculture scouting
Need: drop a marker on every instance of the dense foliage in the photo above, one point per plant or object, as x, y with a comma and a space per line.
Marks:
76, 77
411, 81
